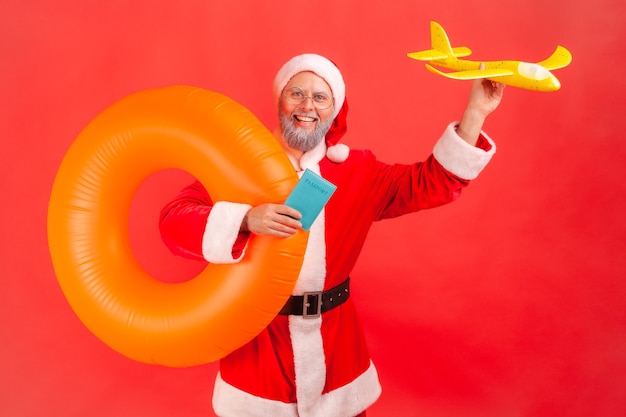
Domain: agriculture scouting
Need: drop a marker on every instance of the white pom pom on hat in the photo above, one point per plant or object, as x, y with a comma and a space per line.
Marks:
338, 153
326, 69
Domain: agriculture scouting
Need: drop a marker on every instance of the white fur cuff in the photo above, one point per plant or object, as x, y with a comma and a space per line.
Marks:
459, 157
222, 229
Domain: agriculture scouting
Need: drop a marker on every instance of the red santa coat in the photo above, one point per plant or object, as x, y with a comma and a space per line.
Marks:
318, 367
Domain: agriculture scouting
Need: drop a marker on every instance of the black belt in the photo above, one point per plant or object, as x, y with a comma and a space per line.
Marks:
312, 304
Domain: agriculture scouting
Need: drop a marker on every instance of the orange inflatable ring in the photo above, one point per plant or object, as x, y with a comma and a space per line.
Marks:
237, 159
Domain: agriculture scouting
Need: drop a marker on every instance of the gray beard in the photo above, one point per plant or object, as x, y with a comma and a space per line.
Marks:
300, 139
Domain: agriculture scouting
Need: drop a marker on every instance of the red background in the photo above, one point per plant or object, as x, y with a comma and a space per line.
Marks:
509, 302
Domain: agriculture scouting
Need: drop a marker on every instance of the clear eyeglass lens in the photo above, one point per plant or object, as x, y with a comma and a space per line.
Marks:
296, 95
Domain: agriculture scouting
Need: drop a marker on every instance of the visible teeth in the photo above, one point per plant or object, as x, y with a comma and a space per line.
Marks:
305, 118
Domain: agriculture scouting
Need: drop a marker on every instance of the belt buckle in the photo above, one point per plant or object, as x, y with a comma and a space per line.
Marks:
312, 300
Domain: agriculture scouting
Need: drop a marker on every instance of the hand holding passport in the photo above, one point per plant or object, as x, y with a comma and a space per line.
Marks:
309, 197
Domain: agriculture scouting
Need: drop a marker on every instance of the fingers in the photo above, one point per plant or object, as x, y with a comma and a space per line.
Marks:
286, 211
498, 87
273, 219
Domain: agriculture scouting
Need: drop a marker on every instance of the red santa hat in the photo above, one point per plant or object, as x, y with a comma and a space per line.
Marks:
326, 69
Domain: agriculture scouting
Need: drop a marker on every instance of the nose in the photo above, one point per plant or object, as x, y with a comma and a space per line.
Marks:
308, 103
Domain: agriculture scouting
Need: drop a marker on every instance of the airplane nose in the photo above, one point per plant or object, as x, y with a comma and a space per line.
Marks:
555, 84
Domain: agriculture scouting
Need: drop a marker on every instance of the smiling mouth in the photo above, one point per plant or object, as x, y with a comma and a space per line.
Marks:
304, 119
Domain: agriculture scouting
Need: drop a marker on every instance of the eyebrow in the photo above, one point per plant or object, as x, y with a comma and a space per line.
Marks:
312, 92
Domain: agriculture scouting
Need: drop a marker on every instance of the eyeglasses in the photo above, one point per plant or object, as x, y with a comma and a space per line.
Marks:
296, 95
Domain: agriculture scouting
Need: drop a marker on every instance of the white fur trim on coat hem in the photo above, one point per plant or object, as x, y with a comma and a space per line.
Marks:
230, 401
459, 157
221, 231
349, 400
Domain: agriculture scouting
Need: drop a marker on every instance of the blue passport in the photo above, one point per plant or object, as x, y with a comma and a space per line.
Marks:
309, 197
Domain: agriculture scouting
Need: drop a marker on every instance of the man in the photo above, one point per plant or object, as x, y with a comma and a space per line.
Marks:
319, 365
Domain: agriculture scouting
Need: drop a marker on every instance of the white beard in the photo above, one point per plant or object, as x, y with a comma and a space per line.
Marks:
298, 138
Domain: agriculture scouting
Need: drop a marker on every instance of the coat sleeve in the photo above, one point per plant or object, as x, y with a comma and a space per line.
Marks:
459, 157
194, 227
438, 180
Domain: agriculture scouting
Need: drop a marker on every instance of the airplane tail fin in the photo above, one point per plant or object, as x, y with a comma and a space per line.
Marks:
439, 40
440, 47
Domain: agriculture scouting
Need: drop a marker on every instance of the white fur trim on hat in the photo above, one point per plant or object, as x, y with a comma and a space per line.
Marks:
317, 64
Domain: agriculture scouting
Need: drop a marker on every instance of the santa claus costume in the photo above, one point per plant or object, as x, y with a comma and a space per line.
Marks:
318, 366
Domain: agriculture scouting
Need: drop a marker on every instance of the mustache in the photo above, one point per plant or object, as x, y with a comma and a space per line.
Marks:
303, 113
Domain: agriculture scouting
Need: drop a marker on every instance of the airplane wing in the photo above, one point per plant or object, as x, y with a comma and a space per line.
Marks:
435, 55
472, 74
560, 58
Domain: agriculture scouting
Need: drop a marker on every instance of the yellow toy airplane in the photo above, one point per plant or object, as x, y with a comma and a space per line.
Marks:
515, 73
